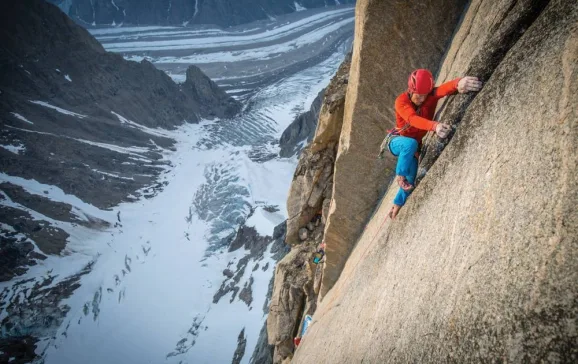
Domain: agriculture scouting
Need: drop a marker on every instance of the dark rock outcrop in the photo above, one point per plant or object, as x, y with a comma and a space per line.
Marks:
249, 238
49, 239
16, 254
18, 350
263, 353
47, 58
213, 102
240, 351
182, 12
255, 245
302, 129
35, 317
246, 294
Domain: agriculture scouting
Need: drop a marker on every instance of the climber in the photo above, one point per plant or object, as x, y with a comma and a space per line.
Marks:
317, 256
414, 111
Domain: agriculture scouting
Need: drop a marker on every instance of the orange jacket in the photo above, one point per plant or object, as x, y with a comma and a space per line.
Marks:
415, 122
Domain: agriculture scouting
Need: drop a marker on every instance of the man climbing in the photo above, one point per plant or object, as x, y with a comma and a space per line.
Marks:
414, 111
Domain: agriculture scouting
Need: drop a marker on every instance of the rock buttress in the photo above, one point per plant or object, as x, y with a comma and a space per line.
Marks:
311, 188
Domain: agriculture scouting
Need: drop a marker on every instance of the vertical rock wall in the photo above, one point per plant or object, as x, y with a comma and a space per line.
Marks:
391, 39
311, 188
487, 32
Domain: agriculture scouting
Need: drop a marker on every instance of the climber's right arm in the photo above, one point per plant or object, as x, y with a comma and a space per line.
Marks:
405, 109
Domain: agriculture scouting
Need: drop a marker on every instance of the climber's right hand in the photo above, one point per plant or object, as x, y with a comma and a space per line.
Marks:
443, 130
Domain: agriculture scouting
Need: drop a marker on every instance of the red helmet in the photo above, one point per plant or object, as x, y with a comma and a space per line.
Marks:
420, 82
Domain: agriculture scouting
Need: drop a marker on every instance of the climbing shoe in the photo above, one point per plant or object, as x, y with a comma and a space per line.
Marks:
393, 212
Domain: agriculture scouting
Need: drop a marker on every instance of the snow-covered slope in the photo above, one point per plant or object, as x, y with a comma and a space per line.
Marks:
157, 280
242, 58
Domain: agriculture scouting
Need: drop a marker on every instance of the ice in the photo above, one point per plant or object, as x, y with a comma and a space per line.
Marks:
234, 40
20, 117
261, 53
16, 149
97, 32
60, 110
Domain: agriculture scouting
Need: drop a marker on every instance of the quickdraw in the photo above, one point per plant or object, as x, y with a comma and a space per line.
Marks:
391, 134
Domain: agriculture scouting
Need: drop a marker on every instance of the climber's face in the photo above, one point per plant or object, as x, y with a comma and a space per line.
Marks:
418, 99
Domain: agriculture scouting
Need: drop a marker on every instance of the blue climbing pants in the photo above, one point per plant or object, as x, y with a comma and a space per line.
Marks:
404, 149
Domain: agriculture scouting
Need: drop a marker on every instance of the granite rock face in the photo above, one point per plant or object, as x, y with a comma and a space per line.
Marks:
297, 279
183, 12
477, 49
292, 295
480, 265
392, 38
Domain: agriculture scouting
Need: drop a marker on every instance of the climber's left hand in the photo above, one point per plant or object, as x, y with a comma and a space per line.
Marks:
469, 84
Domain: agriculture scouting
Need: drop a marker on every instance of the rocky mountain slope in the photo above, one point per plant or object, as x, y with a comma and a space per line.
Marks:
297, 280
480, 264
82, 119
193, 260
183, 12
301, 130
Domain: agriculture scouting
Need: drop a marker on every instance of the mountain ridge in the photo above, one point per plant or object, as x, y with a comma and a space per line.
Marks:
181, 12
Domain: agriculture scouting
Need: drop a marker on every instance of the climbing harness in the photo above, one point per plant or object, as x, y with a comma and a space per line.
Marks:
396, 132
391, 134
